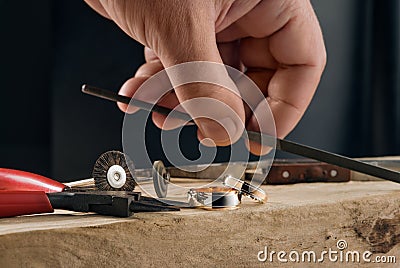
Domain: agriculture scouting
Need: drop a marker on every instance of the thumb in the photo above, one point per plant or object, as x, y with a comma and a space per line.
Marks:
201, 82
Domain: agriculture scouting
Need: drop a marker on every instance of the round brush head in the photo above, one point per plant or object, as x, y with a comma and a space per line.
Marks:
111, 172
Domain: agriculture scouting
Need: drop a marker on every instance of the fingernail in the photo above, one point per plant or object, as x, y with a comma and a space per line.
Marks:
223, 131
230, 127
208, 142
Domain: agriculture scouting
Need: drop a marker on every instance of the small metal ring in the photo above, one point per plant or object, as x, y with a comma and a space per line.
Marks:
245, 188
214, 198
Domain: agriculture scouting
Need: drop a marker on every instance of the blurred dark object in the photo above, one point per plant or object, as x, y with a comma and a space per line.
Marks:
295, 171
49, 48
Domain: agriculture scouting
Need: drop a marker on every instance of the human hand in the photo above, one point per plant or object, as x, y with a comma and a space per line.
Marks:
278, 43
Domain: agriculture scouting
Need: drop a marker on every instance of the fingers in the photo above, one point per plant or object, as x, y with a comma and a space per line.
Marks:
131, 86
98, 7
229, 54
289, 94
300, 50
212, 101
262, 120
128, 89
170, 101
287, 64
263, 20
288, 88
150, 56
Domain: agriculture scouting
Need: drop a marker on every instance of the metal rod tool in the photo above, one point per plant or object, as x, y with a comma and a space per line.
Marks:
264, 139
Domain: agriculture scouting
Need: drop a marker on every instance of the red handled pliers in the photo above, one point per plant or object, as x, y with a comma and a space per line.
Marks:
26, 193
23, 193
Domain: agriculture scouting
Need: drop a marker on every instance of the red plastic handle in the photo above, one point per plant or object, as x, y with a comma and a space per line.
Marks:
16, 203
16, 180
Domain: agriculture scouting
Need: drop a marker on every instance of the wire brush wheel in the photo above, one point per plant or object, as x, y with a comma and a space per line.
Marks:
111, 172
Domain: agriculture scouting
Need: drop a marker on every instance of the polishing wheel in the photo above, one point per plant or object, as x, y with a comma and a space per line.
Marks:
111, 172
161, 179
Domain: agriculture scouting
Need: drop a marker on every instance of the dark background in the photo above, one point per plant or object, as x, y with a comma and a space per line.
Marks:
50, 48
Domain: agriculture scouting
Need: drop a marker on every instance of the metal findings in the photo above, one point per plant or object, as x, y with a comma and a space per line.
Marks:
214, 198
245, 188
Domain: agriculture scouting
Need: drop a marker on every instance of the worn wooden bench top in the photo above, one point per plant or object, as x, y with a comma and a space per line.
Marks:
366, 214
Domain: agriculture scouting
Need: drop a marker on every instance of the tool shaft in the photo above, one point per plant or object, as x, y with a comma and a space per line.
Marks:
324, 156
264, 139
338, 160
112, 96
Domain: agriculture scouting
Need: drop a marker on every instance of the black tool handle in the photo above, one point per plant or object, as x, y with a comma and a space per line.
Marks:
112, 96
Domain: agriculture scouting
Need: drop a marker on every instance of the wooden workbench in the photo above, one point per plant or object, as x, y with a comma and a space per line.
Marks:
296, 217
